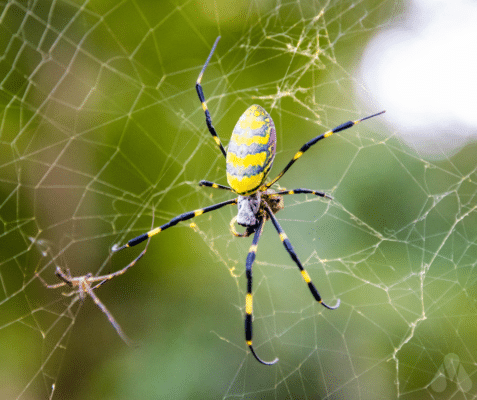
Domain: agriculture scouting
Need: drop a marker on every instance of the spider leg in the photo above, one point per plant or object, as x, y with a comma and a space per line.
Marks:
54, 286
200, 93
249, 297
111, 319
306, 191
291, 251
104, 278
214, 185
65, 277
172, 222
307, 145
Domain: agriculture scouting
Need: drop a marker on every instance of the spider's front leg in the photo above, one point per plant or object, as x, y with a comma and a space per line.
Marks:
200, 93
174, 221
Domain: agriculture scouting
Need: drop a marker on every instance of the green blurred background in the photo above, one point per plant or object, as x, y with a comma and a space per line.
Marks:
103, 136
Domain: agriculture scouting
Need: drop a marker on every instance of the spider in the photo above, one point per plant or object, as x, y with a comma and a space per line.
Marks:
249, 157
84, 287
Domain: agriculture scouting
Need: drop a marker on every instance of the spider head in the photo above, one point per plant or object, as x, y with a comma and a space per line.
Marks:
248, 207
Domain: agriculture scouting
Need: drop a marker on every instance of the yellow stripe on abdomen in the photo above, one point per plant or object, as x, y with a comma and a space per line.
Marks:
248, 140
245, 185
247, 161
250, 119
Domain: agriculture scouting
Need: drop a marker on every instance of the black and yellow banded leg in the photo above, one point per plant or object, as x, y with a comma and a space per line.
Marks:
304, 191
291, 251
214, 185
174, 221
200, 93
307, 145
249, 296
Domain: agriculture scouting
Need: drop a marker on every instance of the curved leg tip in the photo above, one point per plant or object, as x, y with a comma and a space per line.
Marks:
260, 360
331, 307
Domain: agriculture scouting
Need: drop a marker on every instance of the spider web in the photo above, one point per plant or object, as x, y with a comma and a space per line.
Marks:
102, 135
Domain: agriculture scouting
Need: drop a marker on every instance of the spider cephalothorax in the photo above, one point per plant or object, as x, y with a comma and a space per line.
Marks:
252, 208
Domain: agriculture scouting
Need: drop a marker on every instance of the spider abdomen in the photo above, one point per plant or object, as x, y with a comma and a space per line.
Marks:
251, 150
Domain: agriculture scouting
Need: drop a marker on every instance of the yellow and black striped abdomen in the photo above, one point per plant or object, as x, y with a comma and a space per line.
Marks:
251, 151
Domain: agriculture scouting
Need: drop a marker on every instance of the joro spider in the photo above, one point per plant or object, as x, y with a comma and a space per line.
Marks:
248, 159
